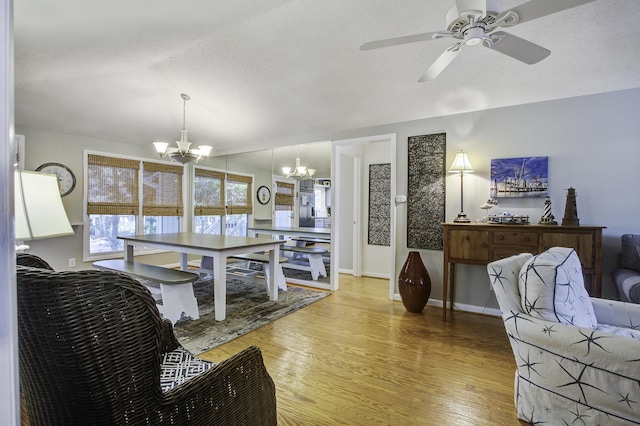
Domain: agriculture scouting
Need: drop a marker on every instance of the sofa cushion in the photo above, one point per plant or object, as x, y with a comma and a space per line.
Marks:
620, 331
630, 254
552, 288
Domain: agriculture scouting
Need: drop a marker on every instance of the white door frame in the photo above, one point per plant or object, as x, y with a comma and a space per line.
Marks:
348, 147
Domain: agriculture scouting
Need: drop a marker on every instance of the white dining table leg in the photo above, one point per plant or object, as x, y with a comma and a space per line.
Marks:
184, 261
274, 259
220, 286
128, 251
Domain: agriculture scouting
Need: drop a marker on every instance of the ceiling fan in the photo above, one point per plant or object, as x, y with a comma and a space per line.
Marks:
473, 22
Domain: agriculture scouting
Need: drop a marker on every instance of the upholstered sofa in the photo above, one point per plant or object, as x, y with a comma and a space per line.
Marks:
627, 274
577, 358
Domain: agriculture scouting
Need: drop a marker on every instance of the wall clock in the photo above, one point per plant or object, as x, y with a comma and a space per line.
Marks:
264, 195
66, 178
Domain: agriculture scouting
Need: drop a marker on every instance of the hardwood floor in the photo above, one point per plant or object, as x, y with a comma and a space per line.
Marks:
356, 358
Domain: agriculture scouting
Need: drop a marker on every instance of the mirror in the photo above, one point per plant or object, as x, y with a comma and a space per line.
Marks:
258, 164
312, 155
313, 203
267, 164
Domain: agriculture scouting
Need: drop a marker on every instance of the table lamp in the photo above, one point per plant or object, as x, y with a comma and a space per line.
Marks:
39, 211
461, 165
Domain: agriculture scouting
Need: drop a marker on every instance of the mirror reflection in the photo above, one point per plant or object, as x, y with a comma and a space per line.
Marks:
308, 168
291, 199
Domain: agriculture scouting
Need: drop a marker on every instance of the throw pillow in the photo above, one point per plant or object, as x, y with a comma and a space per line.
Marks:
178, 366
629, 254
552, 288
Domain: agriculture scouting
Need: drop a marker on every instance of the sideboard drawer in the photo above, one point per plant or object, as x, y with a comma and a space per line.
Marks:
469, 245
504, 237
502, 252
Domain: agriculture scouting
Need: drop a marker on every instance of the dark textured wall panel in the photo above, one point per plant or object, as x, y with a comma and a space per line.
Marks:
379, 204
426, 191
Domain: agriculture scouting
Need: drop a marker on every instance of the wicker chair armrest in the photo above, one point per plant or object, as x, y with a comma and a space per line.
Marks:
169, 341
239, 390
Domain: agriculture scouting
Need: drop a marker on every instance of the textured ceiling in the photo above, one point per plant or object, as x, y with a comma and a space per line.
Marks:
276, 72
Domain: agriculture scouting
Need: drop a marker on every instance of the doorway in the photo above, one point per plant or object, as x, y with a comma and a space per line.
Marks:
353, 254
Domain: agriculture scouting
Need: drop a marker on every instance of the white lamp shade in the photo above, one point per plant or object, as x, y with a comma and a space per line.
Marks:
205, 150
161, 147
461, 164
39, 211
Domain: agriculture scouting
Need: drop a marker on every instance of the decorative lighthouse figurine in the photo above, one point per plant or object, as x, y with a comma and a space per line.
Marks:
547, 217
571, 209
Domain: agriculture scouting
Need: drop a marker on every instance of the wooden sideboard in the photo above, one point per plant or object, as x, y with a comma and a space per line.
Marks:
480, 244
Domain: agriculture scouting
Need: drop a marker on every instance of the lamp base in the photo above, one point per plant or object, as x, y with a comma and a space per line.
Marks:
462, 218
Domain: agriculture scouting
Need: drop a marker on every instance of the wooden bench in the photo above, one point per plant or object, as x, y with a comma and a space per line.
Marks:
176, 287
206, 266
303, 242
314, 256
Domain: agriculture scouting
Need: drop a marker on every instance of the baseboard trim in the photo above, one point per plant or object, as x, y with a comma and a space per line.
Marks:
460, 307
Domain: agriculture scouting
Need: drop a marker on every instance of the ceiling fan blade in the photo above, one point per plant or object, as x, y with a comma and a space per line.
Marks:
441, 63
518, 48
475, 7
402, 40
538, 8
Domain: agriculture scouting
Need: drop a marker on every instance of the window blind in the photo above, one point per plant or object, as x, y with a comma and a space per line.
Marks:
284, 196
112, 186
209, 191
239, 199
162, 189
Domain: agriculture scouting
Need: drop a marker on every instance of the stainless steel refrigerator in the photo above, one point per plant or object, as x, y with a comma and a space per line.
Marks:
306, 201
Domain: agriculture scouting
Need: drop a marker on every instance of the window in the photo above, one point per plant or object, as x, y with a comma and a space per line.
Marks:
162, 197
116, 202
208, 200
239, 204
284, 201
222, 202
112, 201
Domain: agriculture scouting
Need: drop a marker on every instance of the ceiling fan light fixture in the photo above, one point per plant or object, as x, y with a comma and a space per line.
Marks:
474, 36
473, 22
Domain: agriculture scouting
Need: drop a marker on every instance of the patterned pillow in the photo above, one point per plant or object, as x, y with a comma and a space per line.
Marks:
179, 366
552, 288
629, 254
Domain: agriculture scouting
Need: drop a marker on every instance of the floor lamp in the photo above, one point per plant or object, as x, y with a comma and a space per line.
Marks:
461, 165
39, 211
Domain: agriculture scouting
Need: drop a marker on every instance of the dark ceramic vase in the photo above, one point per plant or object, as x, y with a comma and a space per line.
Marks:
414, 283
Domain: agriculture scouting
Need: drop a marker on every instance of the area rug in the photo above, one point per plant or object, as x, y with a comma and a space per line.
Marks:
248, 308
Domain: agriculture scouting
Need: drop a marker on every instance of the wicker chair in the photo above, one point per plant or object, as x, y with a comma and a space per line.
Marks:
28, 259
92, 345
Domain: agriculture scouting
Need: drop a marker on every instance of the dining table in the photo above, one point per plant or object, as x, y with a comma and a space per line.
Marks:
219, 247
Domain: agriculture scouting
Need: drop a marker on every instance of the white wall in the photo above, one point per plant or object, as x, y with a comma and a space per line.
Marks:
375, 259
342, 213
9, 391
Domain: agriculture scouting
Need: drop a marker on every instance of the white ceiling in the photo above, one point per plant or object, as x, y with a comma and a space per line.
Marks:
279, 72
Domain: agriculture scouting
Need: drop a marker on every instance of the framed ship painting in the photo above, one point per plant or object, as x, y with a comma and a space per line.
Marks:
520, 177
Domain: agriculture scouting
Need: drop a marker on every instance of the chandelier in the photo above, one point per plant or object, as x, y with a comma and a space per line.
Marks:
299, 172
182, 154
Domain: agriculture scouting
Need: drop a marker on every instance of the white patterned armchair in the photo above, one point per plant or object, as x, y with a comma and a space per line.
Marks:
578, 358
